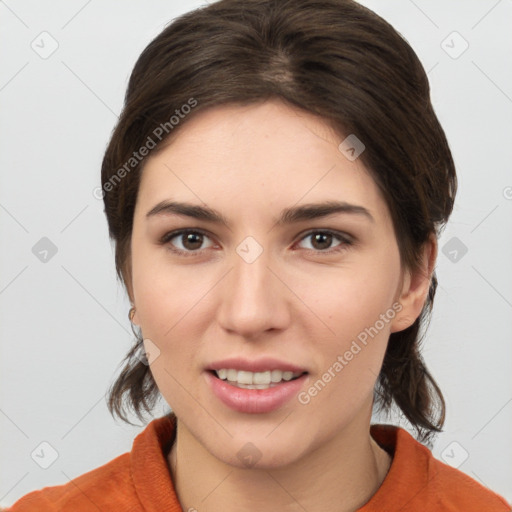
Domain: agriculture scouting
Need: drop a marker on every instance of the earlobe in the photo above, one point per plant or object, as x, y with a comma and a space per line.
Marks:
132, 316
415, 288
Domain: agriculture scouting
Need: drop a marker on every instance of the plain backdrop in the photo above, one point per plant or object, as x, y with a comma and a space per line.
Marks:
64, 326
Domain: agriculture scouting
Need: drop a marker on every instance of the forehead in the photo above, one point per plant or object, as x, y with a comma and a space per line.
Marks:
242, 157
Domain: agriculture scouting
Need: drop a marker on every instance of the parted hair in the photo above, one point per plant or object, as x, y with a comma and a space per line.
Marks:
335, 59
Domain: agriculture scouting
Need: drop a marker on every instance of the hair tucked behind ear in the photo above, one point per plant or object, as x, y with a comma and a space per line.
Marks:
332, 58
421, 397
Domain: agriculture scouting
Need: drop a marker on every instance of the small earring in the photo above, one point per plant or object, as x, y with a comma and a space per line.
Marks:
131, 313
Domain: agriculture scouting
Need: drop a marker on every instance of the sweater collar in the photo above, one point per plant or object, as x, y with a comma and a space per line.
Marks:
150, 472
408, 474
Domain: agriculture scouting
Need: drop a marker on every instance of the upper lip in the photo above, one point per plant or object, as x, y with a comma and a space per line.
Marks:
256, 365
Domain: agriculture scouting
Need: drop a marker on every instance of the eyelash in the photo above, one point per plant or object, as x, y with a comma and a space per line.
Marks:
345, 239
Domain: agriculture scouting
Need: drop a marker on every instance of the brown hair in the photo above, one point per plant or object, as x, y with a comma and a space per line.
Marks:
333, 58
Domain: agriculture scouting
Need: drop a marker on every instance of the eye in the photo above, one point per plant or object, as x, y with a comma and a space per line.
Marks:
190, 240
322, 239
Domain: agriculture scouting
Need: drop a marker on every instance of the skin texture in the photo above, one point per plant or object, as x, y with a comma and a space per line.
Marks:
296, 302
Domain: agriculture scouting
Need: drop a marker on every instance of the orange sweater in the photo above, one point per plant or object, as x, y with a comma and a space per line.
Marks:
140, 481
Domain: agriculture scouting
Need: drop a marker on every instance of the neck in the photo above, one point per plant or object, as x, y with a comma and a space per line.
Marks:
340, 476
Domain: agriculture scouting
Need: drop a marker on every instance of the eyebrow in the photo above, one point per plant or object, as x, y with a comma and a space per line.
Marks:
288, 215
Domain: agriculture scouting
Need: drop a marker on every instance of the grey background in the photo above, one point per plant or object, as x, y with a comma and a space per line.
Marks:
64, 326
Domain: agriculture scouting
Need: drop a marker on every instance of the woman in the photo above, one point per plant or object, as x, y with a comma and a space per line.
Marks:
275, 188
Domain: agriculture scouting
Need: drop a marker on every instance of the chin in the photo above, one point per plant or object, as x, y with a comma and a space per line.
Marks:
255, 454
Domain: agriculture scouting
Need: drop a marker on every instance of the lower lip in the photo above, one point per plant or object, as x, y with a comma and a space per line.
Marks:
255, 400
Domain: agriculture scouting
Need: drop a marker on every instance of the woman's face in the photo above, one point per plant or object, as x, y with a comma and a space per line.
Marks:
270, 290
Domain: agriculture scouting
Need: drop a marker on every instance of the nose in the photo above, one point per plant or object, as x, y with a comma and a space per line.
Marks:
252, 297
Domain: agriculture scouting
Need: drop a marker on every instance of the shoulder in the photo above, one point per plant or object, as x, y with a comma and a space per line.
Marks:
417, 480
134, 481
99, 489
455, 490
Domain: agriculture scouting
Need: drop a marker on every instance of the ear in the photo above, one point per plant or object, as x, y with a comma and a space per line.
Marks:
414, 288
135, 319
127, 278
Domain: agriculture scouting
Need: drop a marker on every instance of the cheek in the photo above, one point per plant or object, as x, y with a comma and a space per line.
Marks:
170, 316
163, 295
353, 297
356, 305
172, 305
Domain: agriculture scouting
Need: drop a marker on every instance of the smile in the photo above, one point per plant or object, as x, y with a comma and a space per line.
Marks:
255, 380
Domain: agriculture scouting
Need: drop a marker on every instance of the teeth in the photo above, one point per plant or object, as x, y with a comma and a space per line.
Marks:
244, 378
231, 375
253, 380
260, 377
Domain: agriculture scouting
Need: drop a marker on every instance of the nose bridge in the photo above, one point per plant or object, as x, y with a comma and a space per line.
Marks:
251, 299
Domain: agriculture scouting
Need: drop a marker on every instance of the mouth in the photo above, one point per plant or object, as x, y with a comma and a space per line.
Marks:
244, 379
255, 392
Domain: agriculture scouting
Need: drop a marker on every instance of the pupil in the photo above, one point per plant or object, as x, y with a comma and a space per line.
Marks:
319, 236
190, 239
